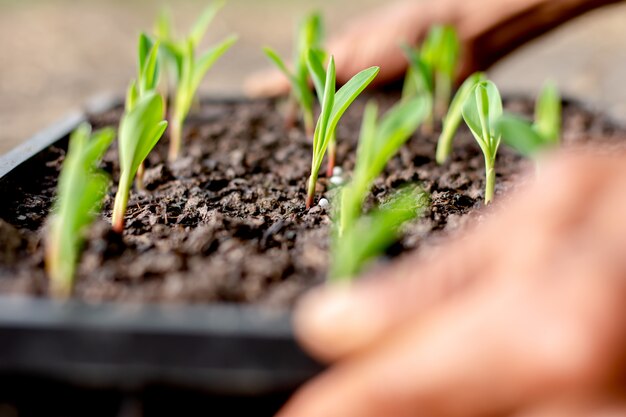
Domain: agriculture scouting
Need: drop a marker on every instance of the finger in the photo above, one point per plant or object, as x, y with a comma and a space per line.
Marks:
335, 322
268, 83
577, 407
492, 351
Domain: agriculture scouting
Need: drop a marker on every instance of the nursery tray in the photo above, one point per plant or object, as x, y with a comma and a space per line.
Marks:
171, 359
221, 349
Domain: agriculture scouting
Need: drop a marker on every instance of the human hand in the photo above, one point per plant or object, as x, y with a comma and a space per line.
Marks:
522, 316
372, 39
487, 29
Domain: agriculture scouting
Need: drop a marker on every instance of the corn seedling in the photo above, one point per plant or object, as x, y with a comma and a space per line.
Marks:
164, 31
481, 111
189, 70
81, 189
310, 36
453, 119
532, 139
333, 106
378, 143
147, 81
141, 127
433, 67
372, 234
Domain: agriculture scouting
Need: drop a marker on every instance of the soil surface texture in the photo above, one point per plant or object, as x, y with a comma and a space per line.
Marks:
226, 222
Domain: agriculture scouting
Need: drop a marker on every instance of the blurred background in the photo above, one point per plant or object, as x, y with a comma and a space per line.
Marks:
56, 54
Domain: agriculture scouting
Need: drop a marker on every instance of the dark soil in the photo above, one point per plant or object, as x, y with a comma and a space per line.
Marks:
227, 222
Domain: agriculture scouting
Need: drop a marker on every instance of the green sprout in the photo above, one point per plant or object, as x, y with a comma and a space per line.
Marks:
378, 143
453, 119
357, 238
533, 139
372, 234
140, 129
432, 68
164, 31
147, 81
310, 36
319, 80
189, 70
481, 112
81, 189
333, 105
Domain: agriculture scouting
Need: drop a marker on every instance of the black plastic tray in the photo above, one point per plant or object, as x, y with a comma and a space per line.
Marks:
215, 351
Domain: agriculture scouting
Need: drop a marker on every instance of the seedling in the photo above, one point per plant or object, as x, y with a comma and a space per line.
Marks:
310, 35
432, 69
378, 143
481, 111
532, 139
147, 81
164, 32
319, 80
82, 187
455, 114
372, 234
141, 127
333, 106
190, 70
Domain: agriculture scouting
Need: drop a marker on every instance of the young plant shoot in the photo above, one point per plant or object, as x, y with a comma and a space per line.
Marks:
453, 119
378, 143
81, 189
147, 81
432, 69
141, 127
372, 234
190, 71
533, 139
481, 111
333, 106
310, 36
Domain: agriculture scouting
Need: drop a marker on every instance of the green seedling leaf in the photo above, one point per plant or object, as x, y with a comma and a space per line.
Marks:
378, 143
148, 64
192, 72
201, 26
186, 69
81, 189
147, 81
317, 71
548, 114
520, 135
278, 61
481, 112
419, 77
172, 53
371, 235
309, 37
208, 59
163, 27
349, 92
140, 130
532, 139
132, 95
334, 104
455, 114
433, 67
